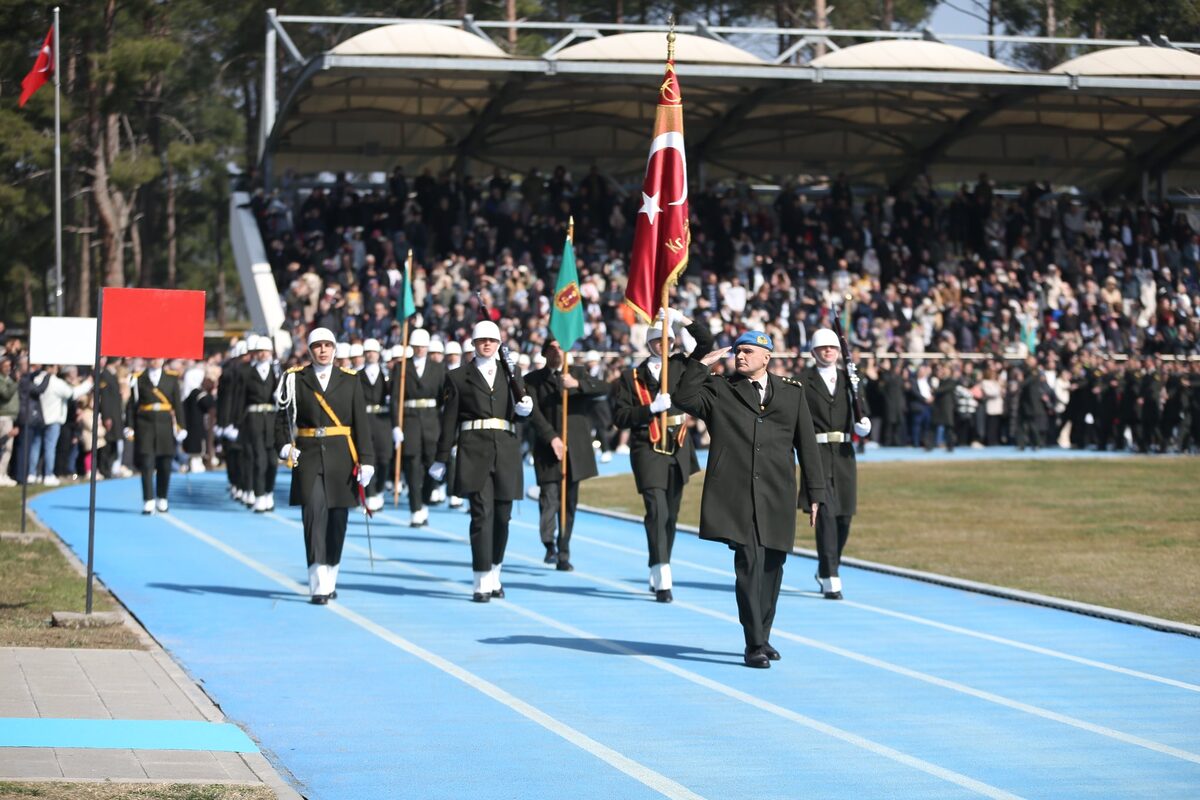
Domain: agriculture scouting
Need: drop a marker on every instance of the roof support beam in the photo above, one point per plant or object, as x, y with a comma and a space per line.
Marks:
475, 137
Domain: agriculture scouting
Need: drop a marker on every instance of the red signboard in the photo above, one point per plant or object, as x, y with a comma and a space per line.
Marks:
152, 323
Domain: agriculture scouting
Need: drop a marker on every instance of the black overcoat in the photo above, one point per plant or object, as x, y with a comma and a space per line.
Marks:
422, 426
750, 488
466, 397
545, 387
154, 431
832, 412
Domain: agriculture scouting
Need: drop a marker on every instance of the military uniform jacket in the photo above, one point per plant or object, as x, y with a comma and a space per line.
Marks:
421, 425
830, 413
253, 390
545, 387
651, 470
229, 408
377, 395
750, 490
326, 458
154, 431
110, 398
466, 397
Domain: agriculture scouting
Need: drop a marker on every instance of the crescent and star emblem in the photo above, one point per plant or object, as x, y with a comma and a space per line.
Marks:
671, 140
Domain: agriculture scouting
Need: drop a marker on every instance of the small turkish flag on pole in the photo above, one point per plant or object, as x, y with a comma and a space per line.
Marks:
661, 236
43, 68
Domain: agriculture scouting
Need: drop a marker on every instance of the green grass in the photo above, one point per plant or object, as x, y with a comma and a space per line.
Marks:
1123, 533
59, 790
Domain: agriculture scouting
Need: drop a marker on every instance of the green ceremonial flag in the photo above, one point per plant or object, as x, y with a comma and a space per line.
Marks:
406, 307
566, 317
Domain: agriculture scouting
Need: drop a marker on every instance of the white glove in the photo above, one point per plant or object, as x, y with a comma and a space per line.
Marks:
525, 406
511, 360
675, 318
854, 380
863, 427
365, 473
294, 452
397, 436
231, 433
437, 470
127, 433
180, 435
660, 403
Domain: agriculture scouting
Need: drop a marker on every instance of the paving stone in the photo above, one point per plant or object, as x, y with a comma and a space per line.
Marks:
28, 762
77, 763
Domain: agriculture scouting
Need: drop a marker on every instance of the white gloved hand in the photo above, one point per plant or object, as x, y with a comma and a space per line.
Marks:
287, 450
437, 470
525, 406
863, 427
397, 436
231, 433
365, 473
127, 433
854, 380
511, 360
660, 403
180, 435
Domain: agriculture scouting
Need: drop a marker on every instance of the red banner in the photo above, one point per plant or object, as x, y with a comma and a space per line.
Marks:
152, 323
43, 68
661, 236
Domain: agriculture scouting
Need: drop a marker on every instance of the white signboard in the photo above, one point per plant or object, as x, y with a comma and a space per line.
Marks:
62, 340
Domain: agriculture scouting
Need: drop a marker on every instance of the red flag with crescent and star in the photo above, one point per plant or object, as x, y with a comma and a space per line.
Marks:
661, 235
43, 68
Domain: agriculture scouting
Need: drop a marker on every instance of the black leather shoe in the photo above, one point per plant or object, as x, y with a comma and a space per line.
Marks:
770, 652
833, 595
551, 556
664, 596
756, 658
498, 592
481, 597
319, 599
333, 595
564, 566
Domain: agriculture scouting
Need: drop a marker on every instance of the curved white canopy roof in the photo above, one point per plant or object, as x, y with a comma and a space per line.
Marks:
652, 46
1142, 62
909, 54
418, 39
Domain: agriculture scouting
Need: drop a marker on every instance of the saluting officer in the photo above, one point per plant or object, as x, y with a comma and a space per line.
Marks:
480, 408
258, 384
758, 423
662, 463
153, 415
423, 381
828, 393
545, 386
321, 431
376, 393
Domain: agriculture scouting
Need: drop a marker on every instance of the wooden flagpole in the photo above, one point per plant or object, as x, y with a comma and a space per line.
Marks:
564, 367
403, 382
664, 386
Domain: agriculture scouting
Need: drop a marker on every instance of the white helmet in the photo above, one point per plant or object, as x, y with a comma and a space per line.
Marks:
239, 348
408, 351
436, 346
385, 355
342, 350
453, 348
321, 335
485, 330
824, 338
654, 333
356, 350
419, 338
371, 346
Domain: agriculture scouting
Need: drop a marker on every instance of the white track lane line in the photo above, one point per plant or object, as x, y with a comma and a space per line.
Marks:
869, 745
1032, 648
639, 772
924, 677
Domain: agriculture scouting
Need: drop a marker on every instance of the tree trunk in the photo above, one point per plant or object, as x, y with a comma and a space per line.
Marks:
889, 14
619, 11
1051, 30
991, 27
510, 14
27, 294
172, 244
85, 261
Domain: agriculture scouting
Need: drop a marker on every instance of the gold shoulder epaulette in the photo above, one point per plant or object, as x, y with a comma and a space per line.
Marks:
348, 371
299, 368
172, 372
138, 374
792, 381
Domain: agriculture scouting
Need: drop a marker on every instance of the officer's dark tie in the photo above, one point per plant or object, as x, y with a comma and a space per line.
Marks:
762, 398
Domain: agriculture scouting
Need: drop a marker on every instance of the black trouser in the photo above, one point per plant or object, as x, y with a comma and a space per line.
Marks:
832, 531
489, 526
759, 572
324, 527
106, 457
1029, 432
258, 444
662, 512
149, 465
549, 504
233, 463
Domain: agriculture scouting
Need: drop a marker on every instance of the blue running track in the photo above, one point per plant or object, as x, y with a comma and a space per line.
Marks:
580, 685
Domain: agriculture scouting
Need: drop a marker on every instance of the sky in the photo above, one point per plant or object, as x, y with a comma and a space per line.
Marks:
949, 18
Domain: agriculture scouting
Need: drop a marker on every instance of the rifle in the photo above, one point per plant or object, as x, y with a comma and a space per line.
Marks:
851, 367
516, 384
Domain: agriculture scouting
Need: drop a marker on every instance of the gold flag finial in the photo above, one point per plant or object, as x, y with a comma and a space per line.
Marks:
671, 38
571, 228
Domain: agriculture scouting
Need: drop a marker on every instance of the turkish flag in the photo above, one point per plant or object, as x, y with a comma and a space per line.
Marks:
661, 235
43, 68
152, 323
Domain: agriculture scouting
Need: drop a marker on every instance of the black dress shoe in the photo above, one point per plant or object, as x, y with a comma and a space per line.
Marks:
498, 592
664, 596
564, 566
319, 599
833, 595
333, 595
756, 658
770, 652
481, 597
551, 556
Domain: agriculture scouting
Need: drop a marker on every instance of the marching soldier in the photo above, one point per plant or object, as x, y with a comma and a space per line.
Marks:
827, 392
321, 431
453, 360
759, 423
423, 381
545, 386
256, 426
662, 461
341, 357
228, 409
376, 393
482, 402
153, 415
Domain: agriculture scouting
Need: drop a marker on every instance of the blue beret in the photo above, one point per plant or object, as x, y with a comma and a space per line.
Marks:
756, 338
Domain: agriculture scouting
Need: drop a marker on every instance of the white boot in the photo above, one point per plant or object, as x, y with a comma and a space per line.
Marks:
375, 502
260, 504
456, 501
270, 502
249, 498
161, 505
419, 517
148, 507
